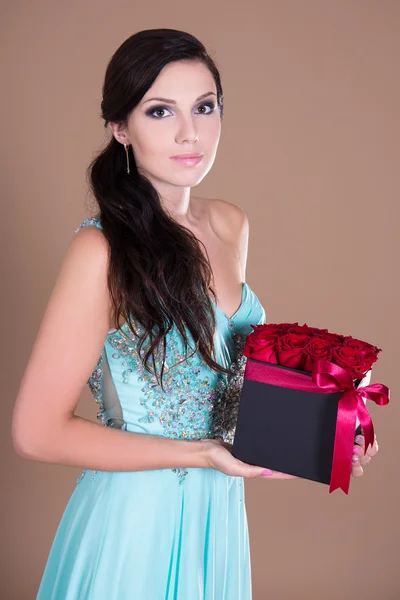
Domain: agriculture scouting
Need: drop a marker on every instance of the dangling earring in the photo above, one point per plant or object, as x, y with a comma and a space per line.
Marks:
126, 146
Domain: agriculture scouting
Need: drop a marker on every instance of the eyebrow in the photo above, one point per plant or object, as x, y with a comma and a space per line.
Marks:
174, 102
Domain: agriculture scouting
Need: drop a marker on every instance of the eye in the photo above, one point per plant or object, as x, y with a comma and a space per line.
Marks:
157, 109
160, 109
210, 105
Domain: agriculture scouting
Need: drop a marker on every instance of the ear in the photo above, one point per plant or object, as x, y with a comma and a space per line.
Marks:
119, 132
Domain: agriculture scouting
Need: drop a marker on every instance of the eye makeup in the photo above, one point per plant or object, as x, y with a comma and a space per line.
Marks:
150, 111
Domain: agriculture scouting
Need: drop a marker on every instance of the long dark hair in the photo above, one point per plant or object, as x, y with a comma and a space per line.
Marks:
145, 244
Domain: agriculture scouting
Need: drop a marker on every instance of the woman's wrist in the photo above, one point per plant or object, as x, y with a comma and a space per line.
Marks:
202, 449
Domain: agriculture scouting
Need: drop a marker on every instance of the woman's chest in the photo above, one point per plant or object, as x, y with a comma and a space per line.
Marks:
223, 256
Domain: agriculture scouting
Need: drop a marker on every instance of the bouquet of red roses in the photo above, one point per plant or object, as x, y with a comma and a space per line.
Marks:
304, 392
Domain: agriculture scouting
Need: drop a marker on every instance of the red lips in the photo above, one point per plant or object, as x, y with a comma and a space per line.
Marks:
188, 155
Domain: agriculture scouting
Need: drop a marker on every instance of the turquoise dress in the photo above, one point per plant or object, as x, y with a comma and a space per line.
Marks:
162, 534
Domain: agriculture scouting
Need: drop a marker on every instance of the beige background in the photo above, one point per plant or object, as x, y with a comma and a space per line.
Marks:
310, 150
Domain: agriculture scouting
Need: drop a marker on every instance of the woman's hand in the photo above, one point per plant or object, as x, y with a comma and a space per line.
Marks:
219, 457
359, 459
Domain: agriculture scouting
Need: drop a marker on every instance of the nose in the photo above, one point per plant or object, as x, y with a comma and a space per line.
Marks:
187, 132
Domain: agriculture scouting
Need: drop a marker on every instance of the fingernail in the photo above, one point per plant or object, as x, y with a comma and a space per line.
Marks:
355, 459
266, 472
356, 450
359, 439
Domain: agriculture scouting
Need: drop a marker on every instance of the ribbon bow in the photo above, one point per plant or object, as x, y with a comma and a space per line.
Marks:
333, 378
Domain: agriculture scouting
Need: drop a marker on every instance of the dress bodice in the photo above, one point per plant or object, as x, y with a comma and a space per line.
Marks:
197, 402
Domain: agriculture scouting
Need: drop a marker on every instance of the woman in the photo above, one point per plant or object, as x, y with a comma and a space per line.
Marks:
158, 512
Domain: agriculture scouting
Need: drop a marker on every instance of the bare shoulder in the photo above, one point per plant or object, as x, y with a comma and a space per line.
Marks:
91, 246
227, 219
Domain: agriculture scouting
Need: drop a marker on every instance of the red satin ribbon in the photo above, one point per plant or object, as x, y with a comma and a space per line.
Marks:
327, 378
332, 378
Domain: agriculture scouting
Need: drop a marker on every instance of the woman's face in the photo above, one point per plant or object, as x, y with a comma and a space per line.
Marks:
159, 129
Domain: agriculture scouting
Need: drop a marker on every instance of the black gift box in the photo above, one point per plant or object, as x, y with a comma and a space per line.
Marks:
287, 430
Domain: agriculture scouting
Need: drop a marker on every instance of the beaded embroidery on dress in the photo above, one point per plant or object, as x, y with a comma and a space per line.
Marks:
189, 524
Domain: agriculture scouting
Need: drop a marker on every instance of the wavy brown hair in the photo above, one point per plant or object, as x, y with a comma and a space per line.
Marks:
145, 243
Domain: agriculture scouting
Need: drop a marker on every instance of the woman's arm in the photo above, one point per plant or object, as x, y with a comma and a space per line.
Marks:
68, 344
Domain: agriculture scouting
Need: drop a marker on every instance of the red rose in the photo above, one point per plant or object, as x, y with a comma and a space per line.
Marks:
299, 330
305, 329
350, 359
290, 350
267, 328
261, 346
316, 349
369, 361
285, 327
369, 349
279, 328
317, 330
335, 339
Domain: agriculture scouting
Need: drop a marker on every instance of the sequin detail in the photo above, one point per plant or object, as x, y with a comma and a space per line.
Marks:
95, 383
81, 476
181, 474
184, 408
226, 406
95, 386
89, 221
193, 406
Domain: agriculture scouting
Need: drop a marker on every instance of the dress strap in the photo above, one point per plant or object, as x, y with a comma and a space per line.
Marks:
89, 221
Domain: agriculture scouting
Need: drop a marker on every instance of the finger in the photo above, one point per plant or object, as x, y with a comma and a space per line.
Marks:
358, 451
248, 470
359, 446
277, 475
365, 460
372, 450
356, 469
360, 441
